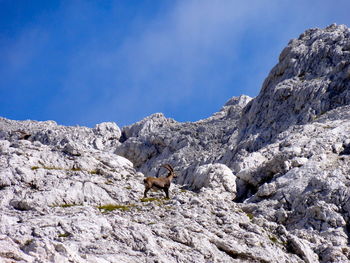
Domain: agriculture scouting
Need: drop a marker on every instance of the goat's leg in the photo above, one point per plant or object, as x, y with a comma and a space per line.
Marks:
146, 191
166, 190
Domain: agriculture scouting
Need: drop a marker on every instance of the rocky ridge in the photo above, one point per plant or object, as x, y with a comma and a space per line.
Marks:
263, 180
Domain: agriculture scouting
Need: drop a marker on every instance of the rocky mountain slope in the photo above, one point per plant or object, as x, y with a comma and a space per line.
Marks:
263, 180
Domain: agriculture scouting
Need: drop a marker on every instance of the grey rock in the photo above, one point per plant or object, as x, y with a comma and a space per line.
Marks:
215, 176
262, 180
300, 248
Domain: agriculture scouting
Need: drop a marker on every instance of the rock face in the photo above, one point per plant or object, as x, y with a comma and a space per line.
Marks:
263, 180
311, 78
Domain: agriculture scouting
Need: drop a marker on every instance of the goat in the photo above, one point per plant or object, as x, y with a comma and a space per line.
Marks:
160, 183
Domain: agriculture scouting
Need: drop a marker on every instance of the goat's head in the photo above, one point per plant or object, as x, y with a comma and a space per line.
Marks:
170, 169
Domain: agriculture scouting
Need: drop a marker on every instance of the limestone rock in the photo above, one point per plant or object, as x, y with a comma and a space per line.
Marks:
217, 177
262, 180
311, 78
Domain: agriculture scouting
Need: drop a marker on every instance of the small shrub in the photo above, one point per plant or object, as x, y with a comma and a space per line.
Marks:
273, 239
28, 242
109, 182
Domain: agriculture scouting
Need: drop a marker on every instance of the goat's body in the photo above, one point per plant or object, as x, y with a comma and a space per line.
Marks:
159, 183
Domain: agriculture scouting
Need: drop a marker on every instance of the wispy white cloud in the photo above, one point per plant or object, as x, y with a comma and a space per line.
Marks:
181, 57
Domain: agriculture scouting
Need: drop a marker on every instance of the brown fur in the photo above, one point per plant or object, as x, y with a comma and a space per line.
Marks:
160, 183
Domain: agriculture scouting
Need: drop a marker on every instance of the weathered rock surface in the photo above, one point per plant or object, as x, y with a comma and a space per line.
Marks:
311, 78
263, 180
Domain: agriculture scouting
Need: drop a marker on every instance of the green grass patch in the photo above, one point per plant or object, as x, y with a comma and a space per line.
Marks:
273, 239
64, 205
276, 241
250, 216
109, 182
151, 199
51, 168
112, 207
64, 235
64, 169
67, 205
158, 201
328, 127
46, 168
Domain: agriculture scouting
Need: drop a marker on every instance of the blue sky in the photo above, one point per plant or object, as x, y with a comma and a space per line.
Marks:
85, 62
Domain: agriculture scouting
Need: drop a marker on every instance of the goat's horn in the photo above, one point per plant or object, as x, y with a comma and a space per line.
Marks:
168, 167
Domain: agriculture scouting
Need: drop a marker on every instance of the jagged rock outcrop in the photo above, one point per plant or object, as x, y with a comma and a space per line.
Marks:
311, 78
262, 180
156, 140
